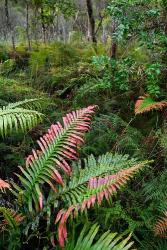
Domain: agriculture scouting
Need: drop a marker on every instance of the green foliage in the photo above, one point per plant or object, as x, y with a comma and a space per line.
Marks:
44, 58
152, 72
107, 240
12, 90
15, 117
51, 191
7, 66
111, 132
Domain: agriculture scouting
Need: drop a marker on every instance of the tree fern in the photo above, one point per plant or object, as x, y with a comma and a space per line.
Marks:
146, 103
14, 117
108, 240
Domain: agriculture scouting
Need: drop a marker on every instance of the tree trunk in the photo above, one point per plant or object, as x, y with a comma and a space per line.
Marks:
27, 26
43, 26
8, 24
114, 45
91, 21
113, 51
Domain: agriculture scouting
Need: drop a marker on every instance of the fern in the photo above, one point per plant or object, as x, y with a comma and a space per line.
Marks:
27, 103
14, 117
94, 191
108, 240
56, 147
146, 103
160, 228
105, 165
73, 189
113, 132
11, 217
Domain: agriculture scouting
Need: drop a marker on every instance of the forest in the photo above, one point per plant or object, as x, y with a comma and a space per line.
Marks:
83, 124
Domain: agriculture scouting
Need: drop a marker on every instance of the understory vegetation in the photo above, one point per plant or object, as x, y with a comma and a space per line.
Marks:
83, 125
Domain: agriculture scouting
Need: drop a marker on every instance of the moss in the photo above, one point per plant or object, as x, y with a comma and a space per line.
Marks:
12, 90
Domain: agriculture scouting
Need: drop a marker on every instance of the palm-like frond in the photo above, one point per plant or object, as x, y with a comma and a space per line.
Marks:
146, 104
108, 240
27, 103
11, 217
56, 147
108, 163
94, 191
15, 117
160, 228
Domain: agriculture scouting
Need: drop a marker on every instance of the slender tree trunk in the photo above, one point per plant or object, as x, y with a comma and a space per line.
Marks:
8, 24
113, 51
27, 26
91, 21
43, 26
114, 45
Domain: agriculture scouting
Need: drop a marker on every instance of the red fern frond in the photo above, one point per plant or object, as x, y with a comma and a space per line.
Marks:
4, 184
98, 189
160, 228
146, 103
56, 147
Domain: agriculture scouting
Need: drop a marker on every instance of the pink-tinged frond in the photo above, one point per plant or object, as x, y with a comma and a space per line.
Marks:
56, 148
98, 188
17, 218
62, 230
146, 103
4, 184
160, 228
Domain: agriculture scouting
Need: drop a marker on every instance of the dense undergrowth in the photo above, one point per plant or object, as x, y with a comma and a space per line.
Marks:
67, 77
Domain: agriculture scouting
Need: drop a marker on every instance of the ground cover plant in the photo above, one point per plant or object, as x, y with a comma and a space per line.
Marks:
83, 124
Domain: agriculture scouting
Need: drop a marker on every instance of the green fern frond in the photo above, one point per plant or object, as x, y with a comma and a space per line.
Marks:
17, 119
107, 163
12, 219
26, 104
97, 185
155, 190
108, 240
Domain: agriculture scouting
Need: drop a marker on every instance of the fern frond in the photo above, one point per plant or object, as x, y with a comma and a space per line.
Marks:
17, 118
96, 190
108, 240
105, 165
11, 217
160, 228
56, 147
146, 103
26, 104
4, 184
